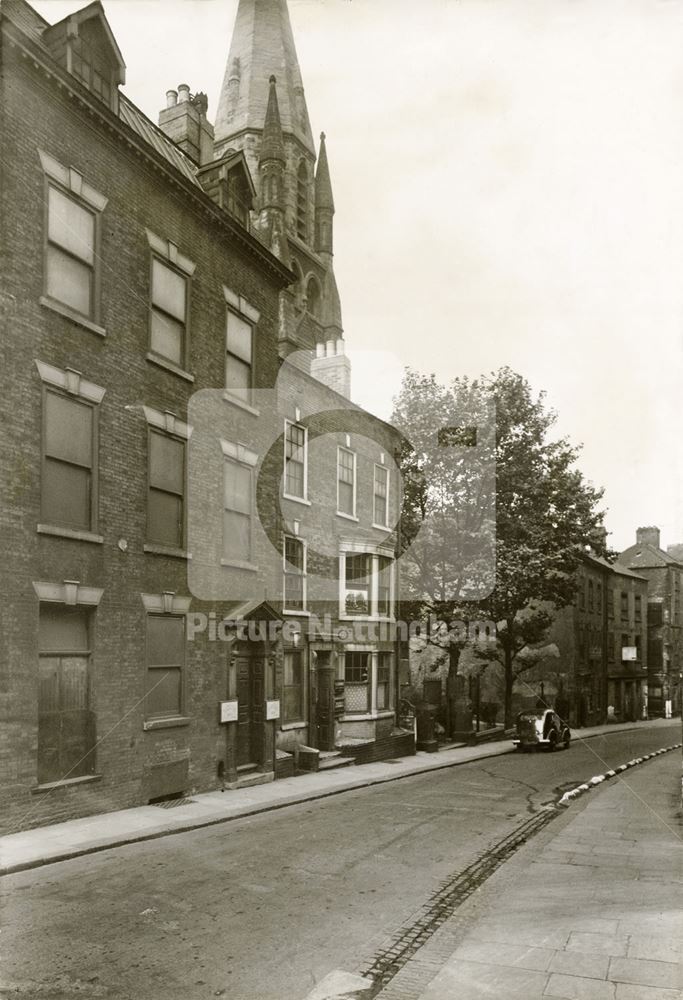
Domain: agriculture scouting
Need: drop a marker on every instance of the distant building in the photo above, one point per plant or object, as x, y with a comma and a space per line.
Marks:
143, 265
664, 574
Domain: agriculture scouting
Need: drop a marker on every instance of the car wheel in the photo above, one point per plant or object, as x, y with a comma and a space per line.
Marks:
552, 742
567, 739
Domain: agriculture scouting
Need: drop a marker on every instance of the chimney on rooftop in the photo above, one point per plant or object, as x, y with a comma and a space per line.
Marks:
648, 536
184, 121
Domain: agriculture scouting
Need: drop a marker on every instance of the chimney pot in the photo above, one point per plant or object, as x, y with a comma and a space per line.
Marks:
171, 98
183, 92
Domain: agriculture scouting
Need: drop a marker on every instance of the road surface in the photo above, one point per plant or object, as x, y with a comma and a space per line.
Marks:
263, 907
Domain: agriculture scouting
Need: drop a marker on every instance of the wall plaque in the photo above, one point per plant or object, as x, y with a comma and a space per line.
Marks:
272, 710
228, 711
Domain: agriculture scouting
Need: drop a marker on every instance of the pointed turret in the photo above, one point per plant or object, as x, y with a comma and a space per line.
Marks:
262, 44
272, 142
324, 203
271, 167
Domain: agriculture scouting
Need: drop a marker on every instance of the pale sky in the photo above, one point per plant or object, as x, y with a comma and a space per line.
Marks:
508, 179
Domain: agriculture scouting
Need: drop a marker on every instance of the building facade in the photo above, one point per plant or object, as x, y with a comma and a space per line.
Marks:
147, 269
664, 574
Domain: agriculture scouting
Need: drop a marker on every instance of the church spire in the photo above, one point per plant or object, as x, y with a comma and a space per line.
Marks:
262, 45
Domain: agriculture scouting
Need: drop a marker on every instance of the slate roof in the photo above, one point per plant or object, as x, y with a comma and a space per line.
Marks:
33, 26
645, 556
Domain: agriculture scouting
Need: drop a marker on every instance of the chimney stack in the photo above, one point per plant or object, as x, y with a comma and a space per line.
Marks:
184, 121
648, 536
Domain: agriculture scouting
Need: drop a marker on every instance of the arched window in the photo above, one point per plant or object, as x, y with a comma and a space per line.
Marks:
313, 297
302, 201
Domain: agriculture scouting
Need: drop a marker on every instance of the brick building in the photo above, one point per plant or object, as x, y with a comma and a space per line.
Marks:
599, 668
146, 266
664, 574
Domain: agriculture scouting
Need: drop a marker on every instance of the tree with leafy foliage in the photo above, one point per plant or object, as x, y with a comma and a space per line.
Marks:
496, 513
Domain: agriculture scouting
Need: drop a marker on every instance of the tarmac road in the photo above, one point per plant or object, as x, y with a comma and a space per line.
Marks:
264, 907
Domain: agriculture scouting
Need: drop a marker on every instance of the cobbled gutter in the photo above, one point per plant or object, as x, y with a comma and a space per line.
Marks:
388, 961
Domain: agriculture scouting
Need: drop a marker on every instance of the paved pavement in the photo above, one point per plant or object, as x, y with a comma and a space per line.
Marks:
590, 909
44, 845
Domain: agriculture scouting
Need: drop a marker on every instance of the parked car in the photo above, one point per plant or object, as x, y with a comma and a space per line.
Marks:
542, 728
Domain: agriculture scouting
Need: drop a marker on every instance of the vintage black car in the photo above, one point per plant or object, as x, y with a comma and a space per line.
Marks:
542, 728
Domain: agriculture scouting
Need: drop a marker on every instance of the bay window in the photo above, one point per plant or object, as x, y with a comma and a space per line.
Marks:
366, 585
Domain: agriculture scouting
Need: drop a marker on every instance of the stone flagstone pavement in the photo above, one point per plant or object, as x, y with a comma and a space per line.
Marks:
589, 910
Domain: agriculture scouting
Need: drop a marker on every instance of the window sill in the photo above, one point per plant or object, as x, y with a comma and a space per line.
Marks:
238, 564
50, 786
368, 716
303, 500
292, 725
71, 314
73, 533
347, 517
389, 620
177, 721
380, 527
167, 550
297, 614
236, 401
169, 366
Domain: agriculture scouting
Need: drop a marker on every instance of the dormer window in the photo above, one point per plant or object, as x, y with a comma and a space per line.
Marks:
85, 46
238, 196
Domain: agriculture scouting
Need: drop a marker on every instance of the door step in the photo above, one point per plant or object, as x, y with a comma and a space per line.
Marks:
332, 758
246, 780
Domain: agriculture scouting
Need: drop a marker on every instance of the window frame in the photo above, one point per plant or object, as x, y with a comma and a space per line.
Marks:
228, 560
291, 496
149, 718
95, 268
303, 611
230, 390
182, 364
372, 709
384, 525
89, 757
373, 602
341, 513
300, 720
155, 543
93, 406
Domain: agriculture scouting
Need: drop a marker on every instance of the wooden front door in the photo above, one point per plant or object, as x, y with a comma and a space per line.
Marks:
246, 749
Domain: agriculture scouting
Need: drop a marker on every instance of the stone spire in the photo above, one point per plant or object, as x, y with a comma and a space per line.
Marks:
324, 205
262, 45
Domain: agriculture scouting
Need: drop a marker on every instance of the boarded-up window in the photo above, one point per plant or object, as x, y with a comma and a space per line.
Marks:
239, 356
169, 313
66, 724
165, 662
70, 257
68, 487
237, 511
165, 512
293, 688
